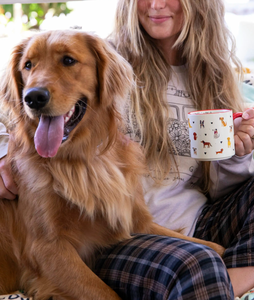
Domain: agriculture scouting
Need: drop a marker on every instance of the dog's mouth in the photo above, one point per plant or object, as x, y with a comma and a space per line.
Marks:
53, 131
73, 117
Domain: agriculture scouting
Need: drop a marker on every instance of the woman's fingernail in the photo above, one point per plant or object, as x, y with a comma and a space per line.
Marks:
245, 115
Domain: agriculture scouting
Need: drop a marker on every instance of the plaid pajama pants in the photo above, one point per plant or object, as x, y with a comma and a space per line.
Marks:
230, 222
156, 267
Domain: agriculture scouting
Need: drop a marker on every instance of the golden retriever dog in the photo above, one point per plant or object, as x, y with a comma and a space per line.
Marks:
78, 179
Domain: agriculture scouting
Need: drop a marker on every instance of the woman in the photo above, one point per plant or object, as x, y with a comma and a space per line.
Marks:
181, 46
179, 53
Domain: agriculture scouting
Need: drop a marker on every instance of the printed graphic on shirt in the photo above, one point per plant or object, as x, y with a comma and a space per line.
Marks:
180, 104
174, 91
177, 131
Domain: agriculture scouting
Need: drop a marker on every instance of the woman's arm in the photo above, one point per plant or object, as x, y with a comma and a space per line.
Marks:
226, 175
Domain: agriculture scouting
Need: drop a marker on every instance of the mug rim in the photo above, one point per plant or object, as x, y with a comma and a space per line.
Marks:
209, 111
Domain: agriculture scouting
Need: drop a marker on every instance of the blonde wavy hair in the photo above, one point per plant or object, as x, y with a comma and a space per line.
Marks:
208, 49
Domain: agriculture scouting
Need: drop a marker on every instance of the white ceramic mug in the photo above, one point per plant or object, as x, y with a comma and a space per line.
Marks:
211, 134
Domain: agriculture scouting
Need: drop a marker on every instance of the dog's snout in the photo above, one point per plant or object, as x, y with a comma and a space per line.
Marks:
37, 98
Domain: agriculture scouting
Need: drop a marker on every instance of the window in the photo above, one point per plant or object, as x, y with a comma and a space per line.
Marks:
240, 20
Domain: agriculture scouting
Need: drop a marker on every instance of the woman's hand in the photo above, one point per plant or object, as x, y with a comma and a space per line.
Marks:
244, 133
8, 188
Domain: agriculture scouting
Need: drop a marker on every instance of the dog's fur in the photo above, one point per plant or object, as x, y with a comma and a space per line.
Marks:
84, 196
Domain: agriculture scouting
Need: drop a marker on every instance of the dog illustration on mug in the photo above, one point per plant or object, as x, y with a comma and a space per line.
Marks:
206, 144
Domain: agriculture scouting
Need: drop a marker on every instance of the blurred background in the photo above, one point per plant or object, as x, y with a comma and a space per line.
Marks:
18, 20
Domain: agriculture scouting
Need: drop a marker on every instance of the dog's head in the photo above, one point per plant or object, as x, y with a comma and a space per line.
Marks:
66, 85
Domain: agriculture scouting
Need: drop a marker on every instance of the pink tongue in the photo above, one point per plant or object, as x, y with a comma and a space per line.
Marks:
48, 136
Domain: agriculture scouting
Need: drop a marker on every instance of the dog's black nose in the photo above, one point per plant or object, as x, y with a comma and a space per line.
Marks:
37, 97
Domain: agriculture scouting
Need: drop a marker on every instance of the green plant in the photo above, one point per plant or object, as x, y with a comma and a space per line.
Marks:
33, 14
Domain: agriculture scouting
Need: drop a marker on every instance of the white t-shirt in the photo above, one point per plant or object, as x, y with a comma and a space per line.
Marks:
178, 202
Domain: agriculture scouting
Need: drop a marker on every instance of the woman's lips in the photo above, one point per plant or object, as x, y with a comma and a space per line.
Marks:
159, 19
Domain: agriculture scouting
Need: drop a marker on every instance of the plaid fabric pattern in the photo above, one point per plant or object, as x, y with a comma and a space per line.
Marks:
18, 295
230, 222
155, 267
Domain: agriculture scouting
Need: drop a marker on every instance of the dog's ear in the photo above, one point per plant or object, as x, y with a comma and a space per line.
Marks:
115, 79
114, 72
11, 83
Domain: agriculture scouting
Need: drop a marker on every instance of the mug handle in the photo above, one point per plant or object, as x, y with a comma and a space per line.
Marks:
237, 115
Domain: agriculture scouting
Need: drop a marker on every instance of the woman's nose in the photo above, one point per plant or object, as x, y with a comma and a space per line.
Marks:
158, 4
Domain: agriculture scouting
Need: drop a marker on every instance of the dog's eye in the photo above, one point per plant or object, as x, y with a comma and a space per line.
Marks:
68, 61
28, 65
